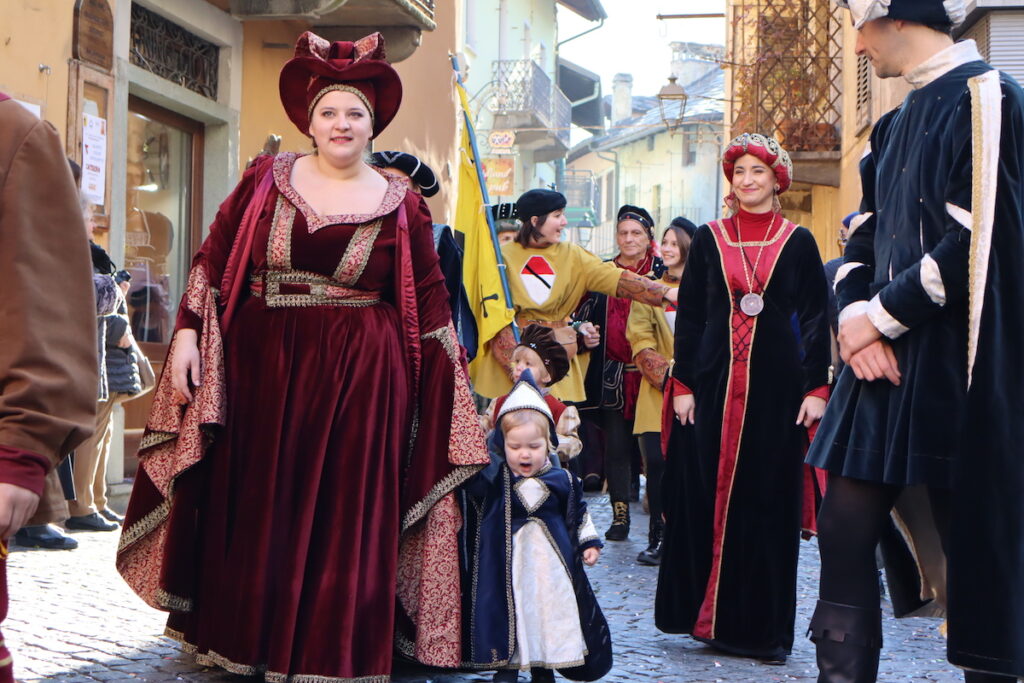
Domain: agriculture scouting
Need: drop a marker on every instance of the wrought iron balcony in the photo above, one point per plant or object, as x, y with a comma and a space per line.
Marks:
401, 21
787, 73
527, 101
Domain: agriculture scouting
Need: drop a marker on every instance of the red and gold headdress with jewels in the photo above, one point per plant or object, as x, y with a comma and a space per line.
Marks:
320, 67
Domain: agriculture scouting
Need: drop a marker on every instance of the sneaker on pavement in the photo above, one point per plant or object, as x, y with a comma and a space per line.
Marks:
44, 536
90, 522
111, 516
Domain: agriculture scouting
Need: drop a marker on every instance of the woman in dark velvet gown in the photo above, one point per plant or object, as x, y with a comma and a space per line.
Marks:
746, 388
318, 529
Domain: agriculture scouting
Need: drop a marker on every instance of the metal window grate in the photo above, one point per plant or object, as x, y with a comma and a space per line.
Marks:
787, 73
161, 47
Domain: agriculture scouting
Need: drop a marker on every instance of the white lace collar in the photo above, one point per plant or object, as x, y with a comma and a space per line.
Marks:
942, 63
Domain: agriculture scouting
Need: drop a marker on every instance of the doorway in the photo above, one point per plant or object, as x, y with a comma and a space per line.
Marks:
162, 231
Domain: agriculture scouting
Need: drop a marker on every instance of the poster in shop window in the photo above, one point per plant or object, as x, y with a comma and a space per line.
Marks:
94, 158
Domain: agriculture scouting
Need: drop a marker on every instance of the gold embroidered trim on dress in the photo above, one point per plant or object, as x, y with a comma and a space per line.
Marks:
393, 196
175, 603
747, 243
155, 438
145, 525
323, 291
530, 509
442, 488
444, 336
212, 658
279, 245
357, 253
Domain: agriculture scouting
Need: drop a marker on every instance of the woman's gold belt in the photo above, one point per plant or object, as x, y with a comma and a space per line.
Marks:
298, 289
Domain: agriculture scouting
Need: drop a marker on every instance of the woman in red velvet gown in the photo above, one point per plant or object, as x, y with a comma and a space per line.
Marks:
293, 508
750, 378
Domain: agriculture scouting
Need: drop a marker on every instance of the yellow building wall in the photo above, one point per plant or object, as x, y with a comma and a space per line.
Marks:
427, 123
262, 113
34, 32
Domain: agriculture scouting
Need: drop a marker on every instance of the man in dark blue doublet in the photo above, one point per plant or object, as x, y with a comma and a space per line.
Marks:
931, 294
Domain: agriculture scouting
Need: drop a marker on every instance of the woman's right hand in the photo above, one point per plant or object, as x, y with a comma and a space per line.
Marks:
684, 406
591, 334
185, 363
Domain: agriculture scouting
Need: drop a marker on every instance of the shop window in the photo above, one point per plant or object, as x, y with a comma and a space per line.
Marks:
164, 162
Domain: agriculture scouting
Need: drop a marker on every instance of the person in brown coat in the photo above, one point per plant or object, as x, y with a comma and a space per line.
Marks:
48, 371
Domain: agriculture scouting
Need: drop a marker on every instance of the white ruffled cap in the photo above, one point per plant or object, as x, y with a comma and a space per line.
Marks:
864, 11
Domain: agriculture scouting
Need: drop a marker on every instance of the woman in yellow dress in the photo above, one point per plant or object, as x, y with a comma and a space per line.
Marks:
548, 278
650, 331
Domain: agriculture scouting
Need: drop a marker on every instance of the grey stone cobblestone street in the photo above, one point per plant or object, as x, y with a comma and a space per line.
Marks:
73, 619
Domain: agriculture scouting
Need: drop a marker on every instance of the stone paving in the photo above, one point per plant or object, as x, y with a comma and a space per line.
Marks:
73, 619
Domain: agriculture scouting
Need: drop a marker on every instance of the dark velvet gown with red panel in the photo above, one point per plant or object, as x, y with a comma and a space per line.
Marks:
346, 424
734, 481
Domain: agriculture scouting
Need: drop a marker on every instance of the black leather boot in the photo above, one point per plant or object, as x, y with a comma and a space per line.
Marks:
539, 674
655, 535
619, 530
848, 640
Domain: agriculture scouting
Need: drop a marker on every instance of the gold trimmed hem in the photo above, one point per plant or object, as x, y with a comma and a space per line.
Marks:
174, 603
214, 659
546, 665
144, 526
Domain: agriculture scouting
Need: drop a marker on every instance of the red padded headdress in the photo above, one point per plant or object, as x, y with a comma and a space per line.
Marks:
766, 149
319, 67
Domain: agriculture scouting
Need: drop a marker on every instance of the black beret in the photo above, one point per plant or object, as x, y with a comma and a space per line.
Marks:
684, 224
538, 203
418, 172
640, 215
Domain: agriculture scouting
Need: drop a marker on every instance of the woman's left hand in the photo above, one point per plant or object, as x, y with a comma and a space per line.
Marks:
811, 411
672, 295
590, 556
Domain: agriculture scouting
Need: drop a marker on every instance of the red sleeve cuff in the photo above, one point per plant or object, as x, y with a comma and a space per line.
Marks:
188, 320
23, 468
821, 392
677, 388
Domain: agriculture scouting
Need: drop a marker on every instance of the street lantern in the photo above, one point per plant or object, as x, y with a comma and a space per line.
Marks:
672, 100
584, 232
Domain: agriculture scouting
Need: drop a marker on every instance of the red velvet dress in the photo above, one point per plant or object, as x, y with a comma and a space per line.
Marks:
293, 567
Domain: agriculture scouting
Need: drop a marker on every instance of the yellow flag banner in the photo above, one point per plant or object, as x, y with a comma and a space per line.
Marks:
480, 275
